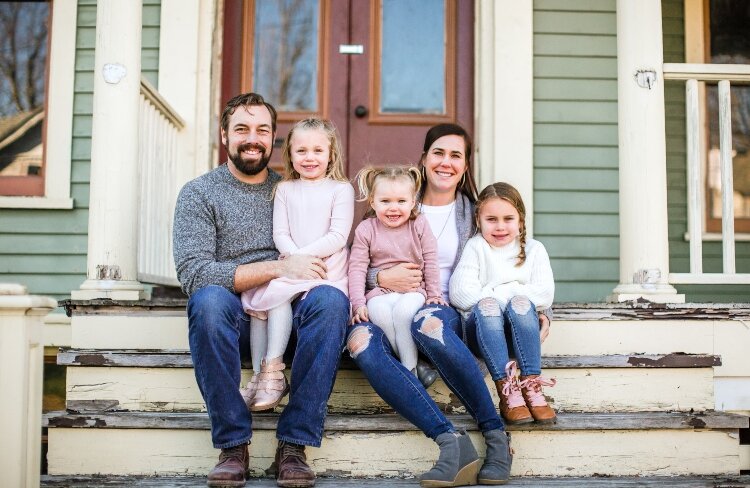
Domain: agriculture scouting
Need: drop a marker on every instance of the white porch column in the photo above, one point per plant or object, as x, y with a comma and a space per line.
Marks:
504, 99
21, 367
113, 201
644, 251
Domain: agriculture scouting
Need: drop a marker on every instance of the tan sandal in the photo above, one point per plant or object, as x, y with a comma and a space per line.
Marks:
272, 385
248, 392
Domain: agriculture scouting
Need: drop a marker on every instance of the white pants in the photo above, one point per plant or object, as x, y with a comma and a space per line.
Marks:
269, 338
394, 313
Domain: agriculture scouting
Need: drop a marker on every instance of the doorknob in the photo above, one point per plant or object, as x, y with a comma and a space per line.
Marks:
360, 111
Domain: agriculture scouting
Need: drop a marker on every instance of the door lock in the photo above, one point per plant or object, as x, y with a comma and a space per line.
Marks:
360, 111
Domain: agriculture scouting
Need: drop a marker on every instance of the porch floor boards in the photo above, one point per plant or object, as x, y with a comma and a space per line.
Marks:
557, 482
394, 422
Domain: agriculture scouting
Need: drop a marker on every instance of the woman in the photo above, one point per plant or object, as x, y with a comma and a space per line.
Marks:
447, 198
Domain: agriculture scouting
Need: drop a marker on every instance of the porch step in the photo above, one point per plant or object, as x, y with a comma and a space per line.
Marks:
578, 329
582, 444
572, 482
163, 381
396, 423
155, 358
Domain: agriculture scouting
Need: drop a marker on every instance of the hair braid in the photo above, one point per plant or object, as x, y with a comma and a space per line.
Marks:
522, 252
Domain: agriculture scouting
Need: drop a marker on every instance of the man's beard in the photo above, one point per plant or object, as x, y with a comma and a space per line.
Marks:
250, 168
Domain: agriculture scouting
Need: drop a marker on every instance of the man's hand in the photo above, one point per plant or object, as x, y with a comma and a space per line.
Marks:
402, 278
303, 267
543, 327
360, 315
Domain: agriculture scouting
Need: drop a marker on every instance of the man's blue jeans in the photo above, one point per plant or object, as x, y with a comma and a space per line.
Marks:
219, 334
495, 334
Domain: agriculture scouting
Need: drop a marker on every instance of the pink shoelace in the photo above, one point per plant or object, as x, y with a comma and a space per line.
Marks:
534, 389
512, 388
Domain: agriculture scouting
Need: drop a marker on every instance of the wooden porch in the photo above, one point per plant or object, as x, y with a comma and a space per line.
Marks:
635, 393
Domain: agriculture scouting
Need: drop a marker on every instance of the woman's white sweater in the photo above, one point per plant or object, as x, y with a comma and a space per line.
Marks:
486, 271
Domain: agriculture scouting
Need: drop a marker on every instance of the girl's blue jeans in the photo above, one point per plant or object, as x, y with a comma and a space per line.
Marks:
219, 335
495, 334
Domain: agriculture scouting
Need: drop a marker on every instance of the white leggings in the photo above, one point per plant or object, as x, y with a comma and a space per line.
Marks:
393, 313
269, 338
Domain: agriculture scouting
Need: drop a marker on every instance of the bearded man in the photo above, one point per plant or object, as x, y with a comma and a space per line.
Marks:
223, 245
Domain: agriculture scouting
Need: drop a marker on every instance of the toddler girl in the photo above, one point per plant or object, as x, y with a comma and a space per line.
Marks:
501, 281
393, 232
312, 214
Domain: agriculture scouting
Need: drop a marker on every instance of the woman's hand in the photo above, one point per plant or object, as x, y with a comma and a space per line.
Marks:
436, 301
360, 315
402, 278
543, 327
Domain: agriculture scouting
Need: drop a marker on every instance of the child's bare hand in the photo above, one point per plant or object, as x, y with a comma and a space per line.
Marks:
435, 301
360, 315
543, 327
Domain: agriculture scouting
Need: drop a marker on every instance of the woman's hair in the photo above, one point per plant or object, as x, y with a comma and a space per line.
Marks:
467, 185
507, 192
368, 178
335, 169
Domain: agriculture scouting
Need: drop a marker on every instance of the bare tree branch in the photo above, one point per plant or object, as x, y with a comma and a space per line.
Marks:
23, 42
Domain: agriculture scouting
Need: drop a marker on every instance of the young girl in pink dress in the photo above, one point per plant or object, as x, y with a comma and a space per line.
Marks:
312, 214
392, 233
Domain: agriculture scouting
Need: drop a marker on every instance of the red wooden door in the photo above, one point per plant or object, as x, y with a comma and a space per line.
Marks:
383, 71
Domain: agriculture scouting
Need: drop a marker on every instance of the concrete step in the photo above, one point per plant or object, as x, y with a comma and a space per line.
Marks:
566, 482
583, 444
164, 381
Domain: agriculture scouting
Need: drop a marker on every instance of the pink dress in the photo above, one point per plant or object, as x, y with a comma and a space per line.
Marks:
309, 217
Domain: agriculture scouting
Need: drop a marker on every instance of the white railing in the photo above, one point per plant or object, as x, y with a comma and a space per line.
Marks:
159, 160
724, 74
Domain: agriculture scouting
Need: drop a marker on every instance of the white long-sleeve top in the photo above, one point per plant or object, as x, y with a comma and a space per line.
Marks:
486, 271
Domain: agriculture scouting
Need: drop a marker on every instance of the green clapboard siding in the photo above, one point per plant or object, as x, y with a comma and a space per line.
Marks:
46, 249
679, 253
575, 145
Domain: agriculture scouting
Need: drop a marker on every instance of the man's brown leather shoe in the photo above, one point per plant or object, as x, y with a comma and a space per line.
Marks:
232, 469
292, 468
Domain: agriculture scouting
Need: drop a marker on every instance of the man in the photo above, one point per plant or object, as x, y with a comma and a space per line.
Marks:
223, 246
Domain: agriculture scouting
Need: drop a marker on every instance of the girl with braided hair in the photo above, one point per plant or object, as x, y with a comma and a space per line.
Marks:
501, 281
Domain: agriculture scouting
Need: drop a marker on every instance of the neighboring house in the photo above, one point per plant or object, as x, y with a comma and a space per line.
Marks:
21, 143
581, 104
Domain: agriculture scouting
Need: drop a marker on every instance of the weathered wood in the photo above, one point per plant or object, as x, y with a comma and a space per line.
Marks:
633, 310
401, 454
107, 305
577, 389
644, 310
395, 423
182, 359
556, 482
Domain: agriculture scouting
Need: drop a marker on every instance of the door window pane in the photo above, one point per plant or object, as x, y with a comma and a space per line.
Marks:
413, 45
285, 57
730, 44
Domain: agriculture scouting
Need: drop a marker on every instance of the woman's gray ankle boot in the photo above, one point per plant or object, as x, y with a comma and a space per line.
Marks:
457, 465
497, 461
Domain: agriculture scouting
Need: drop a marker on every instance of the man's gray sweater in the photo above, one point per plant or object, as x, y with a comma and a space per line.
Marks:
220, 223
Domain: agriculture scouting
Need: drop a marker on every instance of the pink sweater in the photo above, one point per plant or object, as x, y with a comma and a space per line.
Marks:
378, 246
